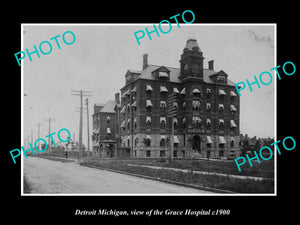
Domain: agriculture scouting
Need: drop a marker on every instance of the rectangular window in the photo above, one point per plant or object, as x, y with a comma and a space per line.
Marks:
196, 105
128, 124
148, 153
162, 142
221, 123
221, 145
221, 108
196, 121
208, 91
163, 95
221, 79
183, 154
208, 154
162, 153
135, 142
162, 105
232, 144
221, 153
175, 154
148, 122
162, 122
208, 107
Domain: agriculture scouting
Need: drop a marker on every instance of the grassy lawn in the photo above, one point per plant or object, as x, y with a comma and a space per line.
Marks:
264, 169
212, 181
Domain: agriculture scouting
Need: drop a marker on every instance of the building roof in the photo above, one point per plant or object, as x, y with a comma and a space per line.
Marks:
99, 104
175, 73
98, 107
135, 71
109, 107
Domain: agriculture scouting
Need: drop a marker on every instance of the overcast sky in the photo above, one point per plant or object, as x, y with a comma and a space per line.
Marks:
101, 55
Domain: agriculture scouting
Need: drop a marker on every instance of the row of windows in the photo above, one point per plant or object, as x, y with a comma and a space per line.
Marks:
164, 142
97, 118
196, 123
163, 89
196, 106
162, 153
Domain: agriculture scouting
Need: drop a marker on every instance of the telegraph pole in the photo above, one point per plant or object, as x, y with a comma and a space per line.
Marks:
49, 119
88, 132
38, 124
77, 109
81, 94
31, 136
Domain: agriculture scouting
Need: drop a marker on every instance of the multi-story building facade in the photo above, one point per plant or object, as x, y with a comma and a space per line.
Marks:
206, 109
103, 137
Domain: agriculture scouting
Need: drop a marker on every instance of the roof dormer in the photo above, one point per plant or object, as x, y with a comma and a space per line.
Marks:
161, 73
219, 77
131, 75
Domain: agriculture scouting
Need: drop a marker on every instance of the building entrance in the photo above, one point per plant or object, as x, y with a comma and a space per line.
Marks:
196, 143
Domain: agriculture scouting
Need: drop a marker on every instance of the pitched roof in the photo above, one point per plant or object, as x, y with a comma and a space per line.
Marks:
98, 104
175, 73
135, 71
109, 107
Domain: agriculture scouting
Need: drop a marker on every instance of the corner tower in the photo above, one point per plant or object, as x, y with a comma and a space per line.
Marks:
191, 61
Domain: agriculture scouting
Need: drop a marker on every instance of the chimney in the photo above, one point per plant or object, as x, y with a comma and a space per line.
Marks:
211, 64
117, 98
145, 61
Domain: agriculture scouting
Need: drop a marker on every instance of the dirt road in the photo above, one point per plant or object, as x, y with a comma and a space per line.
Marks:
51, 177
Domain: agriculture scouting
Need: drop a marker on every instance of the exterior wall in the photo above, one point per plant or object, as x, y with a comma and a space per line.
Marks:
195, 134
104, 124
184, 134
104, 144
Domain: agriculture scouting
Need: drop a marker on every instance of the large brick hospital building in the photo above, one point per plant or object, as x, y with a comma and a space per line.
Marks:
203, 102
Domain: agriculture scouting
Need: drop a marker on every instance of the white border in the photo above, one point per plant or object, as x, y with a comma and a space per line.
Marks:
146, 24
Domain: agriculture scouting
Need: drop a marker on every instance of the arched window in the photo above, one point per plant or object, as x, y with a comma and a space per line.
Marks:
128, 124
162, 142
163, 122
184, 122
195, 68
185, 67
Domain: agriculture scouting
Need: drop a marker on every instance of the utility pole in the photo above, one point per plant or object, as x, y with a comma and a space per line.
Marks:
31, 136
38, 124
49, 119
77, 109
28, 141
88, 132
81, 94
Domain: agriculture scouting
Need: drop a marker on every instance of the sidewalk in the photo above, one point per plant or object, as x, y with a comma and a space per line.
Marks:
203, 172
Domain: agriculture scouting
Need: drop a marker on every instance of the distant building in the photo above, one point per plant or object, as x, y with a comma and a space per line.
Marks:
206, 109
103, 137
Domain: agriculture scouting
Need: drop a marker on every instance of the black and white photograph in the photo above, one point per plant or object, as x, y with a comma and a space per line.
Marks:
163, 117
180, 113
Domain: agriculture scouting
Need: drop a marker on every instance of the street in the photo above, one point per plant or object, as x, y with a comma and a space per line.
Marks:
53, 177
